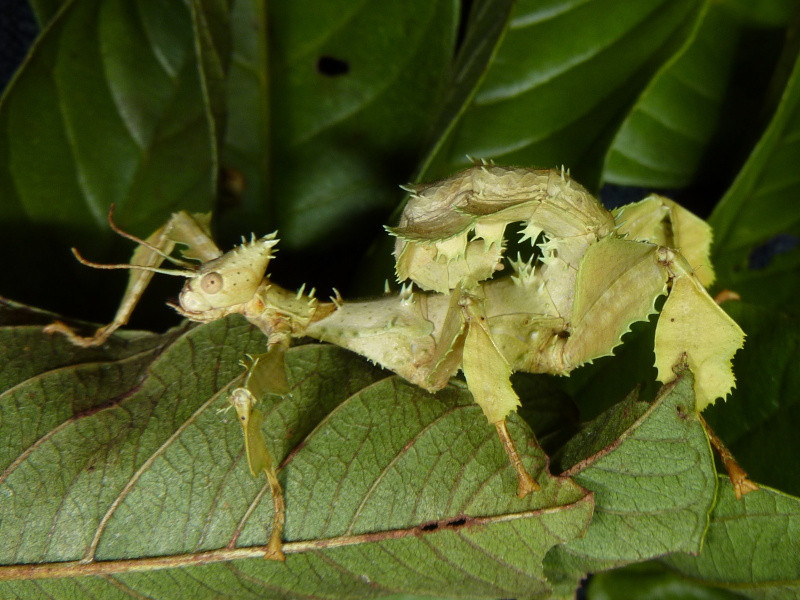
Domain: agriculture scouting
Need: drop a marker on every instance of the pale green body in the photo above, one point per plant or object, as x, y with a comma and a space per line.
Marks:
598, 272
595, 274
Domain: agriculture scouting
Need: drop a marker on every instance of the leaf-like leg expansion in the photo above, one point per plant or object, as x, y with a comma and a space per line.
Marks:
266, 372
449, 344
618, 282
181, 228
487, 373
265, 375
741, 484
259, 460
692, 324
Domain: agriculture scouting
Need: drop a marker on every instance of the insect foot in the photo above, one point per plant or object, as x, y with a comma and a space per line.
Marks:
741, 483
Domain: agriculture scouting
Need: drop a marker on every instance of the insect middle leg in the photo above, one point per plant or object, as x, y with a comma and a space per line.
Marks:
487, 373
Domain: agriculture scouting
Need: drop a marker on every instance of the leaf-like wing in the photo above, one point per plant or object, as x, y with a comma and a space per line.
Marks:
618, 283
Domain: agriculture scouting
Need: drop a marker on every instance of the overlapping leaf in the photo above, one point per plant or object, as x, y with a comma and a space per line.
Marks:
756, 225
751, 546
246, 149
760, 209
45, 10
127, 459
759, 420
651, 470
112, 105
356, 87
108, 131
652, 580
388, 489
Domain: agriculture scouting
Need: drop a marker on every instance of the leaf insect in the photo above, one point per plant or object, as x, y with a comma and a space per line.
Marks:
465, 305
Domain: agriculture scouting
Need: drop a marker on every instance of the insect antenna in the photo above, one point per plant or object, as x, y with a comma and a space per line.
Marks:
119, 231
94, 265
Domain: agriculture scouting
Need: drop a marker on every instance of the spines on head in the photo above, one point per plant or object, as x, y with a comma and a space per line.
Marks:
231, 279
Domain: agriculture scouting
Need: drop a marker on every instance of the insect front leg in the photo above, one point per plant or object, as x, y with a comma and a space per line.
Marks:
266, 375
181, 228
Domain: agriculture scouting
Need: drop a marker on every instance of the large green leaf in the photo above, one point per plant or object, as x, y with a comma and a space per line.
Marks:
751, 547
121, 464
356, 87
761, 204
663, 140
108, 108
697, 119
652, 473
27, 353
484, 29
562, 79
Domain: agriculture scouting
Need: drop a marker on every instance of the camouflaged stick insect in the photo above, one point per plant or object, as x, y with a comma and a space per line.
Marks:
597, 272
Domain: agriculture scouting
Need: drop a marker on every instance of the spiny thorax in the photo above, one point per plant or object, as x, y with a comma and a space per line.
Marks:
282, 314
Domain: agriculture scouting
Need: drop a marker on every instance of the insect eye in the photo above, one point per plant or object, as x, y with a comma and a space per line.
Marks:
211, 283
